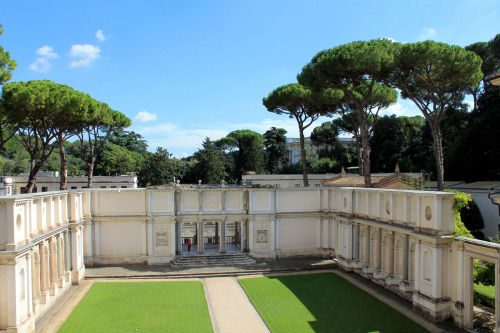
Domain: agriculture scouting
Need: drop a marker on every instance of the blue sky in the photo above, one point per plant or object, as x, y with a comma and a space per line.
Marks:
185, 70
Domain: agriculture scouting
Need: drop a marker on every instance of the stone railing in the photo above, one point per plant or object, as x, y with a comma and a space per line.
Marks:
26, 216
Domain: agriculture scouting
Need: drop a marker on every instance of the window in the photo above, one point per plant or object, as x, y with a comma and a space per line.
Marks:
124, 186
103, 186
73, 187
45, 189
317, 185
113, 186
297, 185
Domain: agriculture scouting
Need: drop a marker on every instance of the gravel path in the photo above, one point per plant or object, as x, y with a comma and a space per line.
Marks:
231, 307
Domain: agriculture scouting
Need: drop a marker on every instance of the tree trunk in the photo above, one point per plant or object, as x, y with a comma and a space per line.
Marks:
365, 143
64, 161
303, 156
90, 172
438, 150
359, 150
35, 167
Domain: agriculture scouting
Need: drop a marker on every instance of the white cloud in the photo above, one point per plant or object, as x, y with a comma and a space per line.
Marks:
41, 65
427, 33
100, 35
145, 116
47, 52
85, 53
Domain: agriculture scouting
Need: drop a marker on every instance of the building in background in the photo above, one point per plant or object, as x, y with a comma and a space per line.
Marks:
293, 145
49, 181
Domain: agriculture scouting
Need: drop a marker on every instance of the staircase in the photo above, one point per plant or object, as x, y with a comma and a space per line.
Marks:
210, 260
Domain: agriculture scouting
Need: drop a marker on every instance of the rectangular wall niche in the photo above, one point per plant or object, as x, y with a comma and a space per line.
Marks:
261, 236
161, 238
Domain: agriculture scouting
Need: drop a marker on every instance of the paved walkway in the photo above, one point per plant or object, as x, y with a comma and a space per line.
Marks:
230, 308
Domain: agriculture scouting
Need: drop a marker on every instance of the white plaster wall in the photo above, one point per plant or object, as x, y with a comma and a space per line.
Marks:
126, 202
299, 200
298, 233
121, 238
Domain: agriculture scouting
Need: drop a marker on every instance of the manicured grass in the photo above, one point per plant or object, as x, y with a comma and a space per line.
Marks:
172, 306
322, 303
485, 290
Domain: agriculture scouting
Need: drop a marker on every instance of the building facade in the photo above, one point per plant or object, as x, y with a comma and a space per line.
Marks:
400, 240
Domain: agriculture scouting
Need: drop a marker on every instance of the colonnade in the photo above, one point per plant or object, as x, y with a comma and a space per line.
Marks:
221, 231
378, 252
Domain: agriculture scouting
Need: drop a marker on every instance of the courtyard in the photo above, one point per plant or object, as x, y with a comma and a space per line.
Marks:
308, 296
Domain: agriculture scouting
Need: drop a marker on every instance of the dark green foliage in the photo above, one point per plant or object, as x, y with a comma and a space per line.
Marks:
275, 149
435, 76
249, 155
462, 200
210, 166
129, 140
159, 169
115, 161
357, 69
472, 219
399, 140
474, 154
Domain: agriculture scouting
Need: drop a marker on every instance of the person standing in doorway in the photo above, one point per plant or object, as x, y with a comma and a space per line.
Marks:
189, 244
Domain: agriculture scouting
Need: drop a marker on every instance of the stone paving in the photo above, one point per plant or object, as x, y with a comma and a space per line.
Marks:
230, 309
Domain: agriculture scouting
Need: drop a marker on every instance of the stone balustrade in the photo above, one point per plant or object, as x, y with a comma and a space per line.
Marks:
41, 254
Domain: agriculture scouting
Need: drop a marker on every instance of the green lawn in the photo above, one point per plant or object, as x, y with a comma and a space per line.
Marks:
322, 303
172, 306
485, 290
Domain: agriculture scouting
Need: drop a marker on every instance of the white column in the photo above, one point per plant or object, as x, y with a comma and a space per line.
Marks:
97, 237
250, 234
277, 233
222, 242
200, 240
150, 239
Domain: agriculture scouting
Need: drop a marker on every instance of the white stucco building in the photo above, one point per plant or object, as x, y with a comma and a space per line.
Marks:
400, 240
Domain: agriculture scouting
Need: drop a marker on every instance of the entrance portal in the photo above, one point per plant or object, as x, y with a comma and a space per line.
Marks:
233, 237
211, 237
188, 236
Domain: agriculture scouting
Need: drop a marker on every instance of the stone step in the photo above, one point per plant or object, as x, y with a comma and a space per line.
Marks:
205, 260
